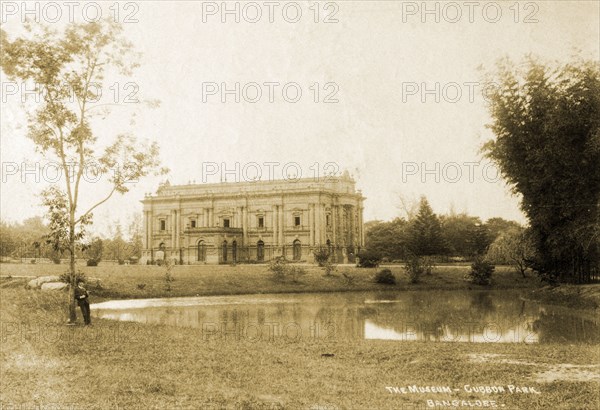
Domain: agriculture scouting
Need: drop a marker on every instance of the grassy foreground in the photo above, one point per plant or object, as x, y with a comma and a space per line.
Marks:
46, 364
129, 282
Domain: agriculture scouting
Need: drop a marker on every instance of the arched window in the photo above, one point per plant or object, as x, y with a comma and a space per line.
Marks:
201, 251
297, 250
260, 251
224, 251
234, 251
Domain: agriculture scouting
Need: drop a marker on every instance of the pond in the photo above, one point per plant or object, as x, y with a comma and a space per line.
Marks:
440, 316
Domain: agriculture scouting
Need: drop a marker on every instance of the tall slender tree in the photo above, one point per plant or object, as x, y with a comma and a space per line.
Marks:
69, 67
425, 232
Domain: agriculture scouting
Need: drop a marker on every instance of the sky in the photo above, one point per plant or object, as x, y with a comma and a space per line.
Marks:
390, 91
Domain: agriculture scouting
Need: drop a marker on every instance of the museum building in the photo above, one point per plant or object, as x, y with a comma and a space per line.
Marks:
254, 222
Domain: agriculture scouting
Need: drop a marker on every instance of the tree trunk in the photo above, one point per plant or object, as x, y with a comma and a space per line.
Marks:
72, 311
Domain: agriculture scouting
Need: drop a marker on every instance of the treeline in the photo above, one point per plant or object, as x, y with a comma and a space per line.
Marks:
30, 240
458, 237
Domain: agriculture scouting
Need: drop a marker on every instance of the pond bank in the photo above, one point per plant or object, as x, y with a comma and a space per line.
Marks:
572, 296
145, 282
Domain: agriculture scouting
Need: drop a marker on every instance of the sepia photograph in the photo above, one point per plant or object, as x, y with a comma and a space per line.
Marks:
308, 204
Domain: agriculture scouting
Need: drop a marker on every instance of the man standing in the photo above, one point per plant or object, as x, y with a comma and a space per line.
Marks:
81, 296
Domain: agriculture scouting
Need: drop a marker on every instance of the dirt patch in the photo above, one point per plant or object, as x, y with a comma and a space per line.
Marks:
570, 372
551, 373
497, 358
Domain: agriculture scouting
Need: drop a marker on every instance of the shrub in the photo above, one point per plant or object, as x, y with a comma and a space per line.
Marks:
56, 260
348, 278
386, 277
33, 261
321, 256
92, 262
329, 268
121, 261
141, 286
481, 272
133, 260
368, 259
416, 266
79, 277
277, 268
281, 269
295, 272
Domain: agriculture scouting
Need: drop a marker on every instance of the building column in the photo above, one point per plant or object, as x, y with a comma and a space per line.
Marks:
150, 232
245, 225
334, 223
317, 208
274, 217
173, 229
311, 223
145, 244
280, 225
361, 227
353, 225
178, 237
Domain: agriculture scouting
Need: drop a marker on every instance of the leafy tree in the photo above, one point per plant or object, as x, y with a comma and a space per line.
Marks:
513, 247
135, 232
94, 250
8, 240
69, 67
496, 226
425, 232
480, 240
388, 239
116, 248
547, 126
458, 231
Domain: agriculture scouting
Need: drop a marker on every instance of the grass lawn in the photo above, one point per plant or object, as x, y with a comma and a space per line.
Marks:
131, 281
46, 364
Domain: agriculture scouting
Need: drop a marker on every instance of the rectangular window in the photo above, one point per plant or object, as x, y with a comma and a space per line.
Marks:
261, 222
328, 220
163, 224
193, 223
225, 223
296, 221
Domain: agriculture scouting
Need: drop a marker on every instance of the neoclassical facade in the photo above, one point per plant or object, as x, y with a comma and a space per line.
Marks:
253, 222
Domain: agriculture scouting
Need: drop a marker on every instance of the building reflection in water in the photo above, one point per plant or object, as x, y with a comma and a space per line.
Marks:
434, 316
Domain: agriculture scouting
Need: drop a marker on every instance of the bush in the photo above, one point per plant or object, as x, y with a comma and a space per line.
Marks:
281, 269
141, 286
295, 272
33, 261
481, 272
92, 262
56, 260
121, 261
321, 256
416, 266
79, 277
133, 260
329, 268
277, 266
368, 259
386, 277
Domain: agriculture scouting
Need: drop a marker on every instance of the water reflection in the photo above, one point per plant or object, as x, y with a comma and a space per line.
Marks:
436, 316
